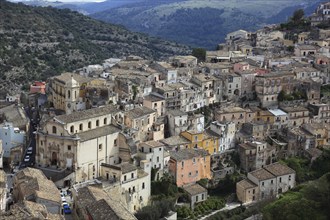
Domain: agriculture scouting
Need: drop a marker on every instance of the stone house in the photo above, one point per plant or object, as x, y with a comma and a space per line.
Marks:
297, 115
196, 194
93, 203
31, 184
270, 181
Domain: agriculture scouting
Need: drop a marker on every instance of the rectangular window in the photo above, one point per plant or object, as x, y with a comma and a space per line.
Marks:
263, 183
100, 146
132, 175
124, 177
69, 147
115, 142
280, 179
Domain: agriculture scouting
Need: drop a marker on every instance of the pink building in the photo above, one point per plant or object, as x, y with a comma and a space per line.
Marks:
189, 166
38, 87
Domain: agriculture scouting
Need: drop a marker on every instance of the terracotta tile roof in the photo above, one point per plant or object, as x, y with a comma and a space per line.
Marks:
246, 184
262, 174
139, 112
33, 182
100, 206
98, 132
186, 154
195, 189
175, 140
279, 169
86, 114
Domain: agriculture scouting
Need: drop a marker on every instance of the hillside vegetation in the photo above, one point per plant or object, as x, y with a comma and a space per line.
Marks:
39, 42
201, 23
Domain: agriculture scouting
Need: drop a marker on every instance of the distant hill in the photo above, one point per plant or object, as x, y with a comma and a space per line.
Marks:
201, 23
39, 42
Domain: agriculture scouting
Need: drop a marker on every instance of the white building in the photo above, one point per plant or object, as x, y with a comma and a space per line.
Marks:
154, 152
11, 137
131, 183
273, 180
226, 131
177, 122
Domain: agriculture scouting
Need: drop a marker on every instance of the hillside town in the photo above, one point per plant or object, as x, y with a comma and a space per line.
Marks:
103, 141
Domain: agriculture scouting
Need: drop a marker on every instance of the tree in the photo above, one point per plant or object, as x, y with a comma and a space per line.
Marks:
298, 16
199, 53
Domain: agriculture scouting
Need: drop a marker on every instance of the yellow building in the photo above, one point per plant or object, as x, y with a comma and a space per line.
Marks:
201, 140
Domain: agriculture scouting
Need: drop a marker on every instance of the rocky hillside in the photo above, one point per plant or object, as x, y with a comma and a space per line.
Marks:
39, 42
201, 23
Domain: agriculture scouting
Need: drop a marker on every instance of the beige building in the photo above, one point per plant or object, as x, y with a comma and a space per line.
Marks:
67, 92
132, 183
3, 190
31, 184
141, 119
155, 102
79, 142
272, 180
196, 194
233, 114
246, 191
207, 84
297, 115
268, 86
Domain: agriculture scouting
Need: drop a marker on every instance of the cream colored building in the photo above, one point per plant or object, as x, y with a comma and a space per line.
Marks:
79, 142
141, 119
156, 102
3, 190
67, 92
131, 183
154, 152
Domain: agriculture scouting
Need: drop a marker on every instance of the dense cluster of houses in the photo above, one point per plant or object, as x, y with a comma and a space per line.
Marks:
106, 131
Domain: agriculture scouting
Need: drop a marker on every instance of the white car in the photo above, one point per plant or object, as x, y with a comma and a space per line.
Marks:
27, 158
29, 152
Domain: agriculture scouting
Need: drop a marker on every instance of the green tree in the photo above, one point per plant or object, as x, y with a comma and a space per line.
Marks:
298, 16
199, 53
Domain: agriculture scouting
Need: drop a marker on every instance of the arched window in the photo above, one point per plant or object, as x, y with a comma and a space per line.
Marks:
72, 129
97, 123
81, 127
105, 121
89, 124
69, 94
54, 130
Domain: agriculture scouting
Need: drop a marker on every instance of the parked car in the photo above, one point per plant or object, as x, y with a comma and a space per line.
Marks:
66, 209
27, 158
29, 152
